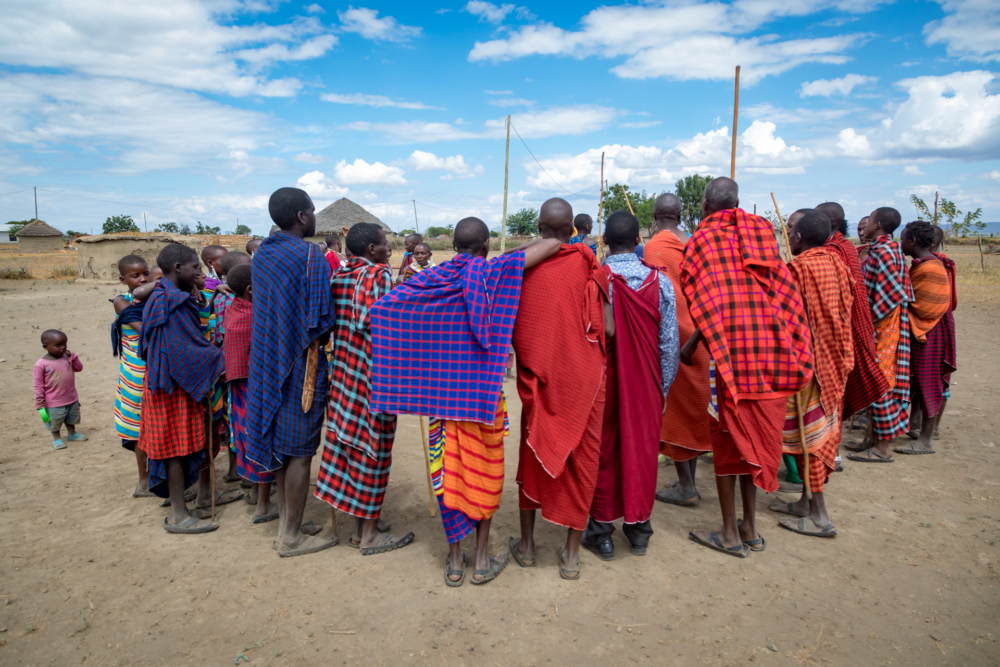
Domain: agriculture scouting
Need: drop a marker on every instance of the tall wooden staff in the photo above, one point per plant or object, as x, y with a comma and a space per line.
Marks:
798, 396
503, 221
211, 434
736, 115
600, 210
427, 463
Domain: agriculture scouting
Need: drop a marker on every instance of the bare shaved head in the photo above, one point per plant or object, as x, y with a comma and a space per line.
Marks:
835, 212
721, 194
667, 208
556, 219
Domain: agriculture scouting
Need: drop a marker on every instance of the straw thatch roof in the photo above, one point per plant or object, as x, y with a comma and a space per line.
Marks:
344, 213
38, 228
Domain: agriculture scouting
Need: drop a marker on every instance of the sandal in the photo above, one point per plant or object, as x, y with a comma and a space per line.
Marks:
784, 508
58, 444
715, 542
496, 567
229, 479
387, 543
139, 493
189, 526
671, 495
514, 544
800, 526
756, 545
355, 541
871, 456
270, 516
448, 573
76, 437
855, 446
222, 498
311, 545
189, 495
565, 572
911, 450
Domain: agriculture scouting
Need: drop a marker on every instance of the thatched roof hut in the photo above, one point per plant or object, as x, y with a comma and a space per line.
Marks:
38, 236
343, 213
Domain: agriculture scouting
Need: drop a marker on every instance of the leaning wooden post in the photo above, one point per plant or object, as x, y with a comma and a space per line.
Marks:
982, 260
736, 115
600, 210
798, 396
503, 220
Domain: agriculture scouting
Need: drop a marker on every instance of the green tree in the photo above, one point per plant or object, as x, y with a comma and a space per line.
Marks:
17, 225
242, 230
438, 231
494, 235
170, 227
407, 232
923, 212
205, 229
119, 223
691, 192
71, 234
642, 204
961, 223
523, 223
184, 229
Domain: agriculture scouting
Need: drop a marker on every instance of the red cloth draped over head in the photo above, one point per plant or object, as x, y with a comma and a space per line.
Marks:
744, 301
684, 430
826, 286
630, 439
866, 383
559, 342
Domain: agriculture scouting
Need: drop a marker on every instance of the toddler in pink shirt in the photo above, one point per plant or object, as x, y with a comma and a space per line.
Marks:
55, 387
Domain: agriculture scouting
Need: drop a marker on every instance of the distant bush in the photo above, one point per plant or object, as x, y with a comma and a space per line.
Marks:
64, 272
16, 273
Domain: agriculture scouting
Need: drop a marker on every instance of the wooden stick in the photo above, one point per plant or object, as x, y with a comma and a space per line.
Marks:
805, 450
503, 221
784, 230
211, 453
600, 210
736, 115
982, 260
628, 202
309, 379
427, 462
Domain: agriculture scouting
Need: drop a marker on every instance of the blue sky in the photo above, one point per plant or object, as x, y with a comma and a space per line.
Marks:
198, 110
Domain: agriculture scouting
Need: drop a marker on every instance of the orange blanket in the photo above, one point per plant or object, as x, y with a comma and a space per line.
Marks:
932, 295
685, 430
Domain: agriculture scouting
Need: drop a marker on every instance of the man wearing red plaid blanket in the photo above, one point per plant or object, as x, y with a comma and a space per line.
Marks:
749, 314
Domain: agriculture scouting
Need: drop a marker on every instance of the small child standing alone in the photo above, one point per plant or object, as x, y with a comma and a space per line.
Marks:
55, 387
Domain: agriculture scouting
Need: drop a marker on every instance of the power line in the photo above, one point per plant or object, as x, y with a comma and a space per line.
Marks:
106, 201
14, 192
572, 194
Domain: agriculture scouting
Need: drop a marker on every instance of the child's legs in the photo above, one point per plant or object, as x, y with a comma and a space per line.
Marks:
263, 498
72, 417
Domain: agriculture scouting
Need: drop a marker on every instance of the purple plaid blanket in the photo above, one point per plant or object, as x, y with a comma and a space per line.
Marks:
291, 308
173, 346
440, 340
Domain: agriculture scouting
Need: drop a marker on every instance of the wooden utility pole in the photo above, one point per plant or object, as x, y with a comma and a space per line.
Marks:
36, 202
417, 222
146, 226
736, 115
506, 163
935, 207
600, 210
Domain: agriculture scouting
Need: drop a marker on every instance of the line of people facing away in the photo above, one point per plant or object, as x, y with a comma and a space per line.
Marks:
709, 343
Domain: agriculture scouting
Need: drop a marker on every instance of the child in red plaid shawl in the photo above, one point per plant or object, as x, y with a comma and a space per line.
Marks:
181, 369
748, 311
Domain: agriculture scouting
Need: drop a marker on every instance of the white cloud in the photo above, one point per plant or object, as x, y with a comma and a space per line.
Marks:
366, 23
788, 116
550, 122
642, 123
913, 170
759, 151
829, 87
183, 43
131, 126
315, 9
971, 30
320, 186
995, 175
511, 102
373, 101
682, 40
853, 144
487, 11
309, 158
499, 92
950, 117
455, 165
362, 173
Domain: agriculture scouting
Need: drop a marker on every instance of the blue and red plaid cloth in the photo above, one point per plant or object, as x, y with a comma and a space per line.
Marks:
441, 339
292, 307
888, 285
173, 346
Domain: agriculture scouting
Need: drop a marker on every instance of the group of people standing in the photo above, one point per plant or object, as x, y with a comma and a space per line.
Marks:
706, 343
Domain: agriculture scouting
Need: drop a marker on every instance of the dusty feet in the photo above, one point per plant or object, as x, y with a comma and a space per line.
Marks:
523, 552
489, 568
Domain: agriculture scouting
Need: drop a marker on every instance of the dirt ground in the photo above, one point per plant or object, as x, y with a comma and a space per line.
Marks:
89, 577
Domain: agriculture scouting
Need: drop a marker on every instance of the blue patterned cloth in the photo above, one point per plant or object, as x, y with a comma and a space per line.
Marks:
291, 308
440, 340
173, 347
635, 272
